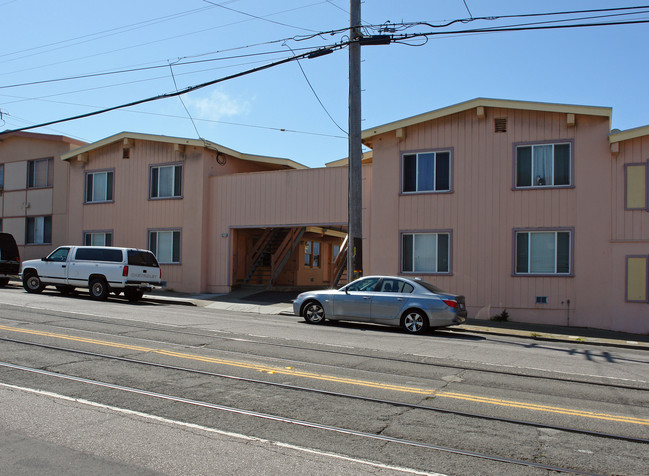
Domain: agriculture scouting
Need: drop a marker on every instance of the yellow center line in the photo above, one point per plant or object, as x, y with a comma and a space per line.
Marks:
343, 380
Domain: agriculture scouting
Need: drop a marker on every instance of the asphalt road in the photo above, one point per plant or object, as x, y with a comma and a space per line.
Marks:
219, 400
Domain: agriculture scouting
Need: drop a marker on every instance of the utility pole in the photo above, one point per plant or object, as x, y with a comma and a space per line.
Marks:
355, 194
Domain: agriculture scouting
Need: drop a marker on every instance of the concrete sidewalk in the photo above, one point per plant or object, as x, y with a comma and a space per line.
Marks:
278, 303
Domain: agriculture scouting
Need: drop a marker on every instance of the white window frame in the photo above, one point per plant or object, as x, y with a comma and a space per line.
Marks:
413, 268
31, 172
39, 233
174, 170
530, 252
109, 190
92, 238
434, 178
167, 257
534, 145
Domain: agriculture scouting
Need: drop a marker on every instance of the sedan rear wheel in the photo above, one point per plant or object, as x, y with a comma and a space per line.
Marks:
313, 313
414, 322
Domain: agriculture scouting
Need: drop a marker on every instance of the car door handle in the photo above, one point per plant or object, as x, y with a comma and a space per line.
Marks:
62, 266
400, 299
366, 297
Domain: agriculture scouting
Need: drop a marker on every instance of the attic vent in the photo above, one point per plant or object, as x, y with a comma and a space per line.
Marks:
500, 125
126, 153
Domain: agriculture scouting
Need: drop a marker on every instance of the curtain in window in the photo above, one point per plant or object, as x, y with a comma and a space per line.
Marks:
407, 252
166, 181
426, 172
542, 253
543, 165
165, 247
99, 187
409, 173
426, 253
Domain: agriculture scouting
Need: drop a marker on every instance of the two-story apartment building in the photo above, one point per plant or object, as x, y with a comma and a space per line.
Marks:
530, 207
34, 190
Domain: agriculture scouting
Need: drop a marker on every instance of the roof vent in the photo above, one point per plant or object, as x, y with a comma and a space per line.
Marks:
500, 125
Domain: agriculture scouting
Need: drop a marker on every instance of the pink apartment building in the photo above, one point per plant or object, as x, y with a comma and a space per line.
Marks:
33, 190
535, 208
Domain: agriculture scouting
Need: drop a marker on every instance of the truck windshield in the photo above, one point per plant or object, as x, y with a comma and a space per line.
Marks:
141, 258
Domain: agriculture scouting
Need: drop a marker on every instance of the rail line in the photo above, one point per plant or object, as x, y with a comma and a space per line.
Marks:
335, 394
173, 330
297, 422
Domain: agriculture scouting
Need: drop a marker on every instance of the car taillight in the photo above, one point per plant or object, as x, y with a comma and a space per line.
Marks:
125, 271
450, 303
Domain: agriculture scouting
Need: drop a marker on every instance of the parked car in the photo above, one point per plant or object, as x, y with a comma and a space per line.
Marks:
9, 258
101, 269
413, 304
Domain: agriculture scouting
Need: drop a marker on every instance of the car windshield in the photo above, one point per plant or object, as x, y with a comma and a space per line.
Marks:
432, 288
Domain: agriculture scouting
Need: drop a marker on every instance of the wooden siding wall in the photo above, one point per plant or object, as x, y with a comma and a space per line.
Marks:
132, 214
483, 210
271, 199
628, 225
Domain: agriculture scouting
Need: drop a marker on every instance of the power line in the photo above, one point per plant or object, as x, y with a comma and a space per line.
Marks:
176, 93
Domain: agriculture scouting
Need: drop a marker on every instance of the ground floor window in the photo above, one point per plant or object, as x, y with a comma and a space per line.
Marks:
637, 278
165, 245
543, 252
38, 230
98, 238
312, 254
426, 252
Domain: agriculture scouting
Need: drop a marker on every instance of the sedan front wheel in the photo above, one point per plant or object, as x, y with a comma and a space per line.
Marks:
414, 322
313, 313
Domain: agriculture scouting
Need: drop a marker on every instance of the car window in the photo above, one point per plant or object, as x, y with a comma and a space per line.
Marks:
389, 285
99, 254
366, 284
59, 254
432, 288
141, 258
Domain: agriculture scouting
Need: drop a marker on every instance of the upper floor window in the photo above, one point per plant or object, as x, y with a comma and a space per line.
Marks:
426, 172
166, 181
312, 254
40, 173
98, 238
543, 252
543, 165
636, 190
38, 230
165, 245
426, 253
99, 186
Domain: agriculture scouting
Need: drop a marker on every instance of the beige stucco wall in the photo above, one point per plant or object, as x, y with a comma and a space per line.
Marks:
483, 211
18, 202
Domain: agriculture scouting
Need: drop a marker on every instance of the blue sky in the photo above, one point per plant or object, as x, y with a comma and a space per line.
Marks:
275, 112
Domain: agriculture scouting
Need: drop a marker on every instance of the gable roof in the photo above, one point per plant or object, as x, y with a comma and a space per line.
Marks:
368, 134
182, 141
619, 136
39, 136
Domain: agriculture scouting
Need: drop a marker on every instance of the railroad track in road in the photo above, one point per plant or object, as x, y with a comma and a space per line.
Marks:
402, 439
537, 374
296, 422
340, 394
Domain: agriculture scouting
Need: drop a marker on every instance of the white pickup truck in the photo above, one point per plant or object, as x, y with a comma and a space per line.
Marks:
101, 269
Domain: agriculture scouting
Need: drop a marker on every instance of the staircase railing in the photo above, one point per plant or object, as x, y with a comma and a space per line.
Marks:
340, 262
284, 251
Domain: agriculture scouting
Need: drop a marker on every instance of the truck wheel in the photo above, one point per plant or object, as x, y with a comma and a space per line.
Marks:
32, 283
99, 289
133, 295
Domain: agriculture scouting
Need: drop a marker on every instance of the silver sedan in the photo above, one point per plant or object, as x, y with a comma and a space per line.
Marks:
413, 304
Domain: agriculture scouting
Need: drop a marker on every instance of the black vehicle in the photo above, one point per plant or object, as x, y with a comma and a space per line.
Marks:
9, 258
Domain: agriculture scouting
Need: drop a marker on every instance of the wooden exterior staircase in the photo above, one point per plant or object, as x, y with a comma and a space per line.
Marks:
270, 253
